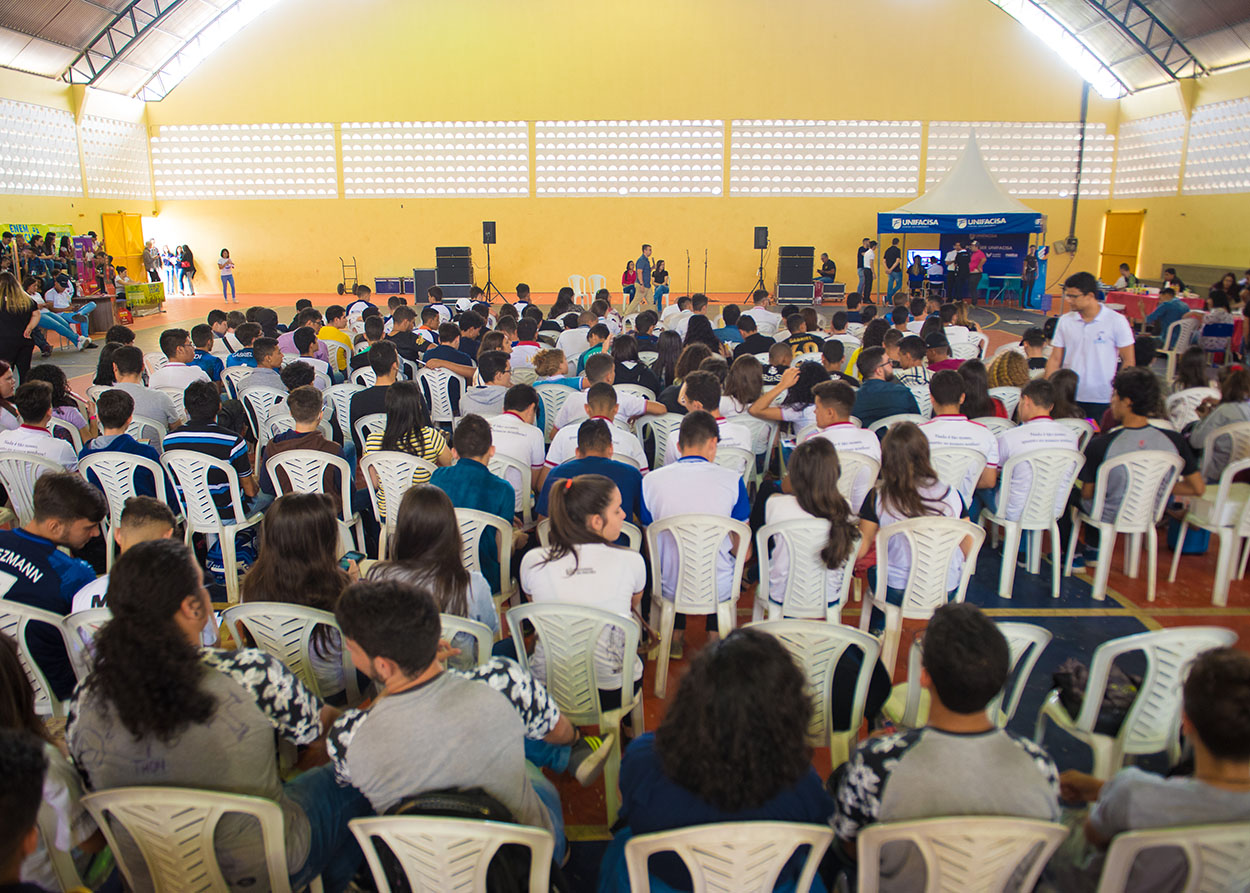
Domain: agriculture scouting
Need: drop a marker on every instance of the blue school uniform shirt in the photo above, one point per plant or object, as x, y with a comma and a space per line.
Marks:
241, 358
145, 485
212, 365
627, 479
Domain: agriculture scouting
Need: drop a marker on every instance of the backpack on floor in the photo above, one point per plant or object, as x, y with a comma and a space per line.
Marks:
1071, 679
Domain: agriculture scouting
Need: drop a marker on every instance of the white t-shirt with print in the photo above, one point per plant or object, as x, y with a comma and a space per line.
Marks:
767, 321
1041, 433
784, 507
517, 439
942, 500
628, 406
600, 576
847, 438
959, 431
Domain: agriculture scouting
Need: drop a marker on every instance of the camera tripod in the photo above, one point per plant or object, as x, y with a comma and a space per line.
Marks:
490, 285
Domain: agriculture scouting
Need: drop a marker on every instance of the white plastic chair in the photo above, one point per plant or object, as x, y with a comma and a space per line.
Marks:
1223, 516
890, 421
285, 631
996, 425
191, 470
364, 377
339, 397
856, 467
305, 472
647, 357
1084, 431
1009, 397
661, 428
409, 369
448, 855
115, 473
153, 361
18, 473
571, 636
1184, 329
553, 396
1217, 856
976, 854
454, 625
260, 404
806, 590
394, 472
578, 284
148, 431
173, 829
641, 391
472, 525
1237, 436
1152, 723
15, 617
932, 542
955, 466
72, 434
509, 468
233, 377
178, 396
436, 385
817, 648
697, 538
732, 857
335, 351
367, 424
908, 704
1182, 407
79, 630
968, 349
923, 399
739, 461
632, 533
595, 282
1146, 481
524, 375
1053, 472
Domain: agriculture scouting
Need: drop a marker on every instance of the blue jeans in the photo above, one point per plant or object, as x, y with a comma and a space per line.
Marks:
56, 322
894, 282
860, 280
630, 291
228, 278
333, 852
660, 292
551, 799
549, 756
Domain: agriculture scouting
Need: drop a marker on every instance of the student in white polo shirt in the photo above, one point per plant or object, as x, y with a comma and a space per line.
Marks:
701, 391
600, 404
515, 435
33, 401
833, 401
695, 484
180, 371
1036, 431
951, 428
1090, 340
602, 368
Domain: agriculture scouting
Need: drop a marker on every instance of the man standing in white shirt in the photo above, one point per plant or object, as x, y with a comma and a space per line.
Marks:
833, 401
701, 391
696, 484
1090, 340
515, 435
1036, 431
602, 368
765, 319
33, 401
179, 371
951, 428
870, 258
600, 404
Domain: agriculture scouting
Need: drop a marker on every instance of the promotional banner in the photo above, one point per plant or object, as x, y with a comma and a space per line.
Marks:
145, 297
84, 247
1004, 252
26, 230
902, 222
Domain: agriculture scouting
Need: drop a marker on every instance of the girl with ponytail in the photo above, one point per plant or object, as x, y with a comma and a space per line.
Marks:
583, 566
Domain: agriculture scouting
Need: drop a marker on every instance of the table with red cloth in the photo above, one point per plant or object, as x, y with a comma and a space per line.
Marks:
1140, 306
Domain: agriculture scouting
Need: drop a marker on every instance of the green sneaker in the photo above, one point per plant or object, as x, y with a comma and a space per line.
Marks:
588, 755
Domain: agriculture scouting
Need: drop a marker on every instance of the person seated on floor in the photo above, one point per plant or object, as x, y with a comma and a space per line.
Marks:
602, 368
880, 396
949, 427
702, 391
149, 402
1215, 722
696, 484
181, 369
908, 488
1134, 398
33, 401
470, 735
68, 512
689, 771
245, 335
203, 434
142, 519
833, 401
495, 369
911, 369
1036, 431
164, 704
115, 410
583, 565
471, 485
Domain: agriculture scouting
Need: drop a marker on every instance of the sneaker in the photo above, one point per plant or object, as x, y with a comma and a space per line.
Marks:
587, 757
676, 649
88, 344
45, 352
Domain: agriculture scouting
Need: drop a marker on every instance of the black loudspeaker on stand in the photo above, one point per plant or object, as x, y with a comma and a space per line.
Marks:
488, 239
761, 245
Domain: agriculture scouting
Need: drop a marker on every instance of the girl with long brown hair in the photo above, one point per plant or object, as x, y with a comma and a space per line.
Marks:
742, 387
18, 317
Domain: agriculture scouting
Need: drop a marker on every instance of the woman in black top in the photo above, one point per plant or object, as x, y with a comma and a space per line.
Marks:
18, 318
629, 369
186, 270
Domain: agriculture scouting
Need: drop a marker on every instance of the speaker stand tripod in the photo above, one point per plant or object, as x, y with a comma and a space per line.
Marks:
490, 285
759, 279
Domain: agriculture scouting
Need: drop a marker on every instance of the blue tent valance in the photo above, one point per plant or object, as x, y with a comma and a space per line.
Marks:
1009, 222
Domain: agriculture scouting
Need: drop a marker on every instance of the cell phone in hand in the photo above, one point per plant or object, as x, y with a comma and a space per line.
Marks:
344, 562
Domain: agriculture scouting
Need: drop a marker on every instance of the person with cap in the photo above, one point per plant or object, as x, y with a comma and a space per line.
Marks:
938, 353
59, 298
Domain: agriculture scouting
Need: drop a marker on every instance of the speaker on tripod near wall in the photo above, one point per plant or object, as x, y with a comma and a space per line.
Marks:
761, 238
488, 232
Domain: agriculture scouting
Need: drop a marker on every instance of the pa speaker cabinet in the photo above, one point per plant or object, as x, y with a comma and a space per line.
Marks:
794, 264
488, 232
794, 293
423, 280
761, 238
453, 268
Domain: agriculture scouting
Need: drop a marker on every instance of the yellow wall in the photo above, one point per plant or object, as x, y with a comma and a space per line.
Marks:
318, 60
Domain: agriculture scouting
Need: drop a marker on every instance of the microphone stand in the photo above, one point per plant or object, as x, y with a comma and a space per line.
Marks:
705, 271
687, 271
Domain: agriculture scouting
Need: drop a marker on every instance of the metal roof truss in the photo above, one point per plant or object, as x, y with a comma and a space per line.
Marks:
1151, 36
126, 29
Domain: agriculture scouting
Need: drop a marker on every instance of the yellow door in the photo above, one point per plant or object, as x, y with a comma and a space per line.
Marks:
123, 239
1121, 238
